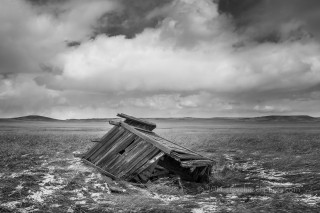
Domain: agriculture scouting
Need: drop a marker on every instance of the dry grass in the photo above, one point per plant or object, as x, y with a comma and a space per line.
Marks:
49, 151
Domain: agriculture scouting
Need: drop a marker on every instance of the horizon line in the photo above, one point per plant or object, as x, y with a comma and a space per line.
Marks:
230, 117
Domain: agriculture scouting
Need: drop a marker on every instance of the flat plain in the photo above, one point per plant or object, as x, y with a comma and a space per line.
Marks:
263, 165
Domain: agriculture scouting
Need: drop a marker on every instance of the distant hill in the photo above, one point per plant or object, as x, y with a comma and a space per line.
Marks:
34, 118
44, 118
284, 118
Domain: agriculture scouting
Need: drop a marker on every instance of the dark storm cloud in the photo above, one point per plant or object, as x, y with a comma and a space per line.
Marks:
273, 20
46, 2
132, 19
237, 8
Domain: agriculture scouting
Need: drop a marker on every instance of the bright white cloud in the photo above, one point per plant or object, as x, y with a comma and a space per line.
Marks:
153, 62
29, 37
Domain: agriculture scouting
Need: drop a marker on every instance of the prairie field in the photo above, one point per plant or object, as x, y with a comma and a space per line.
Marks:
262, 166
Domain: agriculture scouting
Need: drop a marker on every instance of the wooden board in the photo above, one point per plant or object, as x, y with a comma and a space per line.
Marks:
146, 138
150, 162
134, 157
106, 146
142, 159
124, 160
106, 137
135, 150
103, 150
144, 124
118, 146
126, 153
119, 131
117, 123
111, 162
131, 147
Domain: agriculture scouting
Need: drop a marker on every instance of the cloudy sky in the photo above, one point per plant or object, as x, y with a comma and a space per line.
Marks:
152, 58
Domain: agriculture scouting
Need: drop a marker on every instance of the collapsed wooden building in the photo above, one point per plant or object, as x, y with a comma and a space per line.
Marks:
132, 151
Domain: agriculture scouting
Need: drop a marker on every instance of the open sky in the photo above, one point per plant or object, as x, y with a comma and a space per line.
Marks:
152, 58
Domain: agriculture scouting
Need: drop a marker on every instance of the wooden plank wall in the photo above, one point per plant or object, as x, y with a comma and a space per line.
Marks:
121, 153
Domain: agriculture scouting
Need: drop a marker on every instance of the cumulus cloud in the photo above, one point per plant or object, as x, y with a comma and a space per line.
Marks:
197, 60
150, 64
30, 35
154, 62
21, 95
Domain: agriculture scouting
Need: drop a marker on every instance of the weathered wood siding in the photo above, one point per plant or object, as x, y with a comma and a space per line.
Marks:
122, 153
